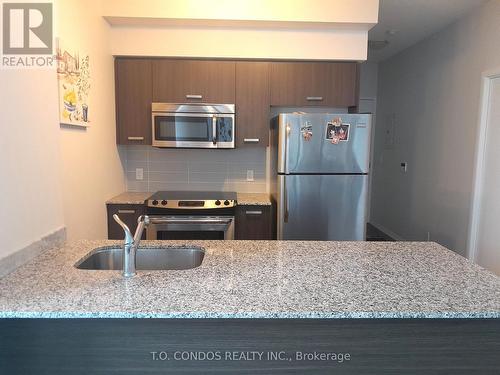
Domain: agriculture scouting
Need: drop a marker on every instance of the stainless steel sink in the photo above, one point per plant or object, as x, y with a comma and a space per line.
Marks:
164, 258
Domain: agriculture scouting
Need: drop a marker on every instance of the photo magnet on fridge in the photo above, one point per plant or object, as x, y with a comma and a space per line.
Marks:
336, 132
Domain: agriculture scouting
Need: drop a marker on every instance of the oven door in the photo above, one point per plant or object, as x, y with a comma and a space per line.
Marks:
193, 130
190, 228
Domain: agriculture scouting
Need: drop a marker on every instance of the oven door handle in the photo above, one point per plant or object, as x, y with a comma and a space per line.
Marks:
189, 221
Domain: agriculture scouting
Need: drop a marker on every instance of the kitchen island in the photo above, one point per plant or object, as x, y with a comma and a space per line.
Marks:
365, 297
260, 279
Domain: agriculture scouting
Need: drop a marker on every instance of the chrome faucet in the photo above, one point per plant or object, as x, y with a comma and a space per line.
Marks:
131, 243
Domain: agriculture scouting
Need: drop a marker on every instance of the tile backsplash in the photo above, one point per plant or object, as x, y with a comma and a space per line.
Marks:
195, 169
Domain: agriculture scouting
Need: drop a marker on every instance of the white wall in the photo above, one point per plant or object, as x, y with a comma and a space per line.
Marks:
30, 191
91, 168
433, 89
368, 80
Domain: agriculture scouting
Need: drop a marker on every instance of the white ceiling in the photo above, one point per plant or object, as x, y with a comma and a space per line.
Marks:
414, 20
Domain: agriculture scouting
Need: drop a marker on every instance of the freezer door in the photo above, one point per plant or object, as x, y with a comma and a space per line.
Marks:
322, 207
315, 143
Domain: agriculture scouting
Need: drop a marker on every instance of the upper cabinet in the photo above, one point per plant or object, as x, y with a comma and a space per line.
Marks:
253, 86
252, 103
133, 82
203, 81
314, 84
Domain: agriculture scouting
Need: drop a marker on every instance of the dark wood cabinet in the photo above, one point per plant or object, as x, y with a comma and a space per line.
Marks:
128, 213
133, 83
330, 84
252, 103
253, 86
254, 223
181, 81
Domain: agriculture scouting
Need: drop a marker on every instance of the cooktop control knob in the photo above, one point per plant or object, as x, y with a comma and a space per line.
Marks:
226, 203
155, 202
217, 202
163, 202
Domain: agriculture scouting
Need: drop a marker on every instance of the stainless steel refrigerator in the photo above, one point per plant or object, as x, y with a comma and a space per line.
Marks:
321, 165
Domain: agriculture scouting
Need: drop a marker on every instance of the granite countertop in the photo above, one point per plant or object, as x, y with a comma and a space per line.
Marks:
130, 198
260, 279
253, 199
244, 199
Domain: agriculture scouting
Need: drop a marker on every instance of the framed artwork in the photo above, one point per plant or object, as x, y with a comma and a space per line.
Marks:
73, 76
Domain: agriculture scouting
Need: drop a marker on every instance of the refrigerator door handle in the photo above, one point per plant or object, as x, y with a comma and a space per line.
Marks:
287, 145
285, 199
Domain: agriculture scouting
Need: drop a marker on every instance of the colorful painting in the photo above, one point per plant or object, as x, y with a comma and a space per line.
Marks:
73, 73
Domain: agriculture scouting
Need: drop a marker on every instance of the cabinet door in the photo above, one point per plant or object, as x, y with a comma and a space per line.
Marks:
182, 81
343, 84
313, 84
252, 103
254, 223
128, 213
133, 101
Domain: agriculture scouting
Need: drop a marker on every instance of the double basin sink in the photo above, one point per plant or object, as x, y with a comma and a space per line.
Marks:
163, 258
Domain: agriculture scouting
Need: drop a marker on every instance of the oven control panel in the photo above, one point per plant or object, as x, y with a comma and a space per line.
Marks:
192, 204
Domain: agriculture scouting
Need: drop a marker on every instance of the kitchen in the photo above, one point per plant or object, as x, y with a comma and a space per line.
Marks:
69, 189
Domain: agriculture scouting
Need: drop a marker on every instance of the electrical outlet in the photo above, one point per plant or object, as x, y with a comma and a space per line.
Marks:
249, 174
139, 174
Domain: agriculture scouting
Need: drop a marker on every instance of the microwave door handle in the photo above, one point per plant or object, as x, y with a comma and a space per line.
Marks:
214, 130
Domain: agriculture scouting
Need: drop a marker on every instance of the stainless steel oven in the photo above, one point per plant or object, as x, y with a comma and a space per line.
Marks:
185, 227
184, 215
193, 125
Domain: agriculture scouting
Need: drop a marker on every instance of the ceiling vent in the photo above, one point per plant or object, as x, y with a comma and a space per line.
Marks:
377, 45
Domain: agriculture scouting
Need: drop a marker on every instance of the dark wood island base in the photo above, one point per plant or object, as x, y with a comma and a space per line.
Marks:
246, 346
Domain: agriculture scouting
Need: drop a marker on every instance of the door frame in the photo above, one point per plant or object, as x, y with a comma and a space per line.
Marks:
486, 79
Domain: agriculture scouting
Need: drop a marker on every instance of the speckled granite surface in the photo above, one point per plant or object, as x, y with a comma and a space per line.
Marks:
130, 198
261, 279
253, 199
244, 199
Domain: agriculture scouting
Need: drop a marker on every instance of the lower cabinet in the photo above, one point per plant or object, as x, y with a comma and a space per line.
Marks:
251, 222
128, 213
254, 223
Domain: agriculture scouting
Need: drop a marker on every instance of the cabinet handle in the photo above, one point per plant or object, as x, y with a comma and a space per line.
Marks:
190, 96
256, 212
126, 211
135, 138
314, 98
251, 140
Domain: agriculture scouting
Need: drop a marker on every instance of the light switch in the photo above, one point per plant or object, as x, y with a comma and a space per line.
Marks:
139, 173
249, 174
404, 167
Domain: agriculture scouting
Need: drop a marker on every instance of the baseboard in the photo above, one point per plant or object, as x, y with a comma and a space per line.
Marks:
390, 233
20, 257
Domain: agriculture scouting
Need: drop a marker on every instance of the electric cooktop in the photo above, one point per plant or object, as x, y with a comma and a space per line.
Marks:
192, 199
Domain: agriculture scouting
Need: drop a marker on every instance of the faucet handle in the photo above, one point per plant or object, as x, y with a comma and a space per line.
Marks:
142, 223
128, 234
143, 218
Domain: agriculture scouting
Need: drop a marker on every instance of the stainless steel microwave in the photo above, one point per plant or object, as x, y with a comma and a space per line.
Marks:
193, 125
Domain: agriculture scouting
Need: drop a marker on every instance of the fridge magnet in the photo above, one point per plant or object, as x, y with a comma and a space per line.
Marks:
306, 132
73, 76
337, 132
